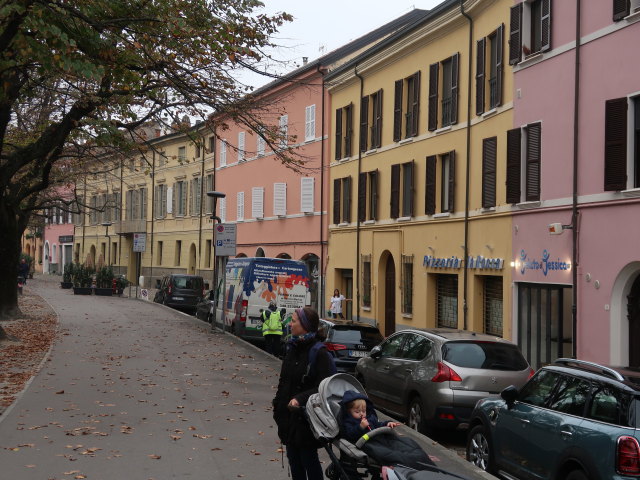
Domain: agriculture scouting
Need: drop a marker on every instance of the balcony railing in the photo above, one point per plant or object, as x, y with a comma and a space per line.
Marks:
138, 225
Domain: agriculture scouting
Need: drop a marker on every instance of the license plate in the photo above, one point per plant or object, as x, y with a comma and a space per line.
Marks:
357, 353
178, 298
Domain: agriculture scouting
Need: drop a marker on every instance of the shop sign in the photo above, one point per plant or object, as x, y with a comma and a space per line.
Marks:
479, 262
65, 239
545, 264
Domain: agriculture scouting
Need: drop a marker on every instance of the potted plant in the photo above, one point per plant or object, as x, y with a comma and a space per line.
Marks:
67, 276
104, 281
121, 284
82, 278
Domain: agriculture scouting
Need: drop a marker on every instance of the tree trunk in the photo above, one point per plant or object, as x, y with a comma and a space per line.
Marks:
10, 235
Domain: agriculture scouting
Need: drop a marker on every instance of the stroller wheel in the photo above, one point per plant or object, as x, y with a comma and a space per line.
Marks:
332, 472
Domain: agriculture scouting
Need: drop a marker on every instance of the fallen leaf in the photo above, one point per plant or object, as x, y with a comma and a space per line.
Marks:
155, 457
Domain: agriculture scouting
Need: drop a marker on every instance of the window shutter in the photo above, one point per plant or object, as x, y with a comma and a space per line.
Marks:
621, 9
397, 111
337, 185
157, 201
310, 123
257, 202
338, 134
222, 209
362, 196
515, 36
452, 181
185, 190
373, 213
192, 203
346, 201
533, 162
364, 123
455, 62
240, 206
284, 132
433, 96
499, 63
480, 76
395, 191
171, 198
615, 145
241, 153
280, 199
223, 153
143, 213
415, 104
307, 196
377, 142
412, 188
489, 152
348, 134
514, 165
166, 200
430, 186
546, 26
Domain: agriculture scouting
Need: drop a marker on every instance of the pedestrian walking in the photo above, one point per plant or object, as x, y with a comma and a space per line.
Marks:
335, 307
23, 270
272, 329
299, 379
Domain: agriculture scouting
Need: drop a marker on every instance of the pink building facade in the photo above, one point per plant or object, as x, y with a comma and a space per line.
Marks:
57, 240
575, 255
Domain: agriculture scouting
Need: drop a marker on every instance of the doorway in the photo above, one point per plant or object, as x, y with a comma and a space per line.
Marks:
390, 297
633, 314
191, 266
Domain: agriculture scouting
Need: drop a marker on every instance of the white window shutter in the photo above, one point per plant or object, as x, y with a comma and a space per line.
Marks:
223, 153
306, 194
240, 206
310, 123
222, 207
241, 146
260, 146
169, 200
257, 202
284, 130
280, 199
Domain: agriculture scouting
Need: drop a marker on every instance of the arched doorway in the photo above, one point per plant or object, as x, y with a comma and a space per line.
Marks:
286, 256
191, 265
389, 296
92, 256
259, 252
633, 314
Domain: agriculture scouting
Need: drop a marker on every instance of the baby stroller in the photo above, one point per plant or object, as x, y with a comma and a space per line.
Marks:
351, 462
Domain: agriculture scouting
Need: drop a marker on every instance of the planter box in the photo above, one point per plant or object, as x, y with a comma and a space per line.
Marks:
66, 284
103, 292
82, 290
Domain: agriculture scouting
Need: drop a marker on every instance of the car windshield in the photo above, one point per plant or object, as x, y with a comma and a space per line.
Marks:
188, 282
350, 334
486, 355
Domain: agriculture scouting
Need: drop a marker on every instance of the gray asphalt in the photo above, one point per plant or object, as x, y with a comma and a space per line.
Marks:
134, 390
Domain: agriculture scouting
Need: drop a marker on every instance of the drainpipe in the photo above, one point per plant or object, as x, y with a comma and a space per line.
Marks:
574, 211
153, 213
357, 182
465, 290
201, 207
120, 208
321, 266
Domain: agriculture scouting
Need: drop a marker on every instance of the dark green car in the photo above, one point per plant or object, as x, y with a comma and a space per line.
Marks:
574, 420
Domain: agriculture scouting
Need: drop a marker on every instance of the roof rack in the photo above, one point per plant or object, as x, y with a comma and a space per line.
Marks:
604, 370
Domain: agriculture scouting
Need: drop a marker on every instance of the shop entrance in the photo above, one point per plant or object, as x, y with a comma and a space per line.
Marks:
633, 314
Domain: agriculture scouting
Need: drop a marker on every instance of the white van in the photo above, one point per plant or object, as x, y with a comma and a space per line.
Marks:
250, 284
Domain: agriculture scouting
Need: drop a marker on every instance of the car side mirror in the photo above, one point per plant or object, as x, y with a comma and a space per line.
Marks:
376, 352
211, 295
509, 395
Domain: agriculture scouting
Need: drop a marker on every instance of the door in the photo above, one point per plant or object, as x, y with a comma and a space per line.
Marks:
382, 379
633, 314
390, 297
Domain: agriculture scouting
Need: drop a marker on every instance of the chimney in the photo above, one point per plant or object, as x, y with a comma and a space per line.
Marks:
305, 60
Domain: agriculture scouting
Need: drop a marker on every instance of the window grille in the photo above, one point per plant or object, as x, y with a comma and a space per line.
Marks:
407, 284
447, 301
493, 319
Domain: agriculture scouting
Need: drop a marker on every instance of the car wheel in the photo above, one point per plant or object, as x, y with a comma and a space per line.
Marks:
416, 420
577, 475
479, 450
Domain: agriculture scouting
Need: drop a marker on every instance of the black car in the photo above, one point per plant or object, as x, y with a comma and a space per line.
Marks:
180, 291
349, 341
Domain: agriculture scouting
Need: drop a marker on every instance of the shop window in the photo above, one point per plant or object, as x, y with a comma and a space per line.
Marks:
402, 189
622, 144
371, 121
344, 132
443, 90
523, 164
447, 301
407, 284
368, 196
489, 75
493, 315
406, 109
530, 29
342, 200
440, 183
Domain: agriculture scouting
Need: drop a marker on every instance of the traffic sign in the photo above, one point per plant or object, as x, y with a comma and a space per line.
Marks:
139, 242
225, 239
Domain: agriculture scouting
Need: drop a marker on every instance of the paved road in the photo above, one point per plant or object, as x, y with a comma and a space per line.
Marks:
134, 390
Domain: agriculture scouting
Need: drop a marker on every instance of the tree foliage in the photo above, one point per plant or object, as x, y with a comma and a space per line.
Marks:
78, 77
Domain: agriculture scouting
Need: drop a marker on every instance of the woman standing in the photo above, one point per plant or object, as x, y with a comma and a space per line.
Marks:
294, 389
335, 306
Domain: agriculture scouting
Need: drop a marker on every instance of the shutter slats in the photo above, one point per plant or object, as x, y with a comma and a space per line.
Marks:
362, 196
515, 35
499, 63
415, 104
346, 201
489, 153
397, 111
364, 123
621, 9
337, 185
546, 26
452, 181
373, 210
480, 76
338, 137
411, 166
348, 138
377, 141
455, 62
615, 145
307, 189
513, 165
280, 199
433, 97
430, 186
395, 191
533, 162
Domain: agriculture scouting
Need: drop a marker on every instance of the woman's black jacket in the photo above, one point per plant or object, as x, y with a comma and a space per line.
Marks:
292, 426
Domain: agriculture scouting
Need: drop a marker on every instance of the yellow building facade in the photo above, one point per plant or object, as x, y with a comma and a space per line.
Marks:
418, 173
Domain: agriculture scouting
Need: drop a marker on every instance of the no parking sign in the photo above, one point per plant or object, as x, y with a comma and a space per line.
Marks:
225, 239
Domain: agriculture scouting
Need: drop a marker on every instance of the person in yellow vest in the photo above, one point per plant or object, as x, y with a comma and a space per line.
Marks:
272, 329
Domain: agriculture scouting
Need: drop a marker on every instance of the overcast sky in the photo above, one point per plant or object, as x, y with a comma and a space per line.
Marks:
321, 27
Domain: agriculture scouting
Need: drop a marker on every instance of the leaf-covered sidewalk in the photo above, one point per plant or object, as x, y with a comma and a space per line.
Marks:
30, 339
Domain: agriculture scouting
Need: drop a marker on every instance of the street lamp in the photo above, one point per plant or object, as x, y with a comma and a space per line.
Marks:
108, 224
214, 196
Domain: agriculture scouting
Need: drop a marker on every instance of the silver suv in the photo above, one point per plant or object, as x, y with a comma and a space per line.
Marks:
434, 378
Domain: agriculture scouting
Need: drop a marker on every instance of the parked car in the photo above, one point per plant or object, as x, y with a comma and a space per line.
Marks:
349, 341
180, 291
204, 308
433, 378
573, 420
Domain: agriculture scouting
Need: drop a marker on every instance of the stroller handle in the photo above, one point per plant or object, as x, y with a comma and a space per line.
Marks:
373, 433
